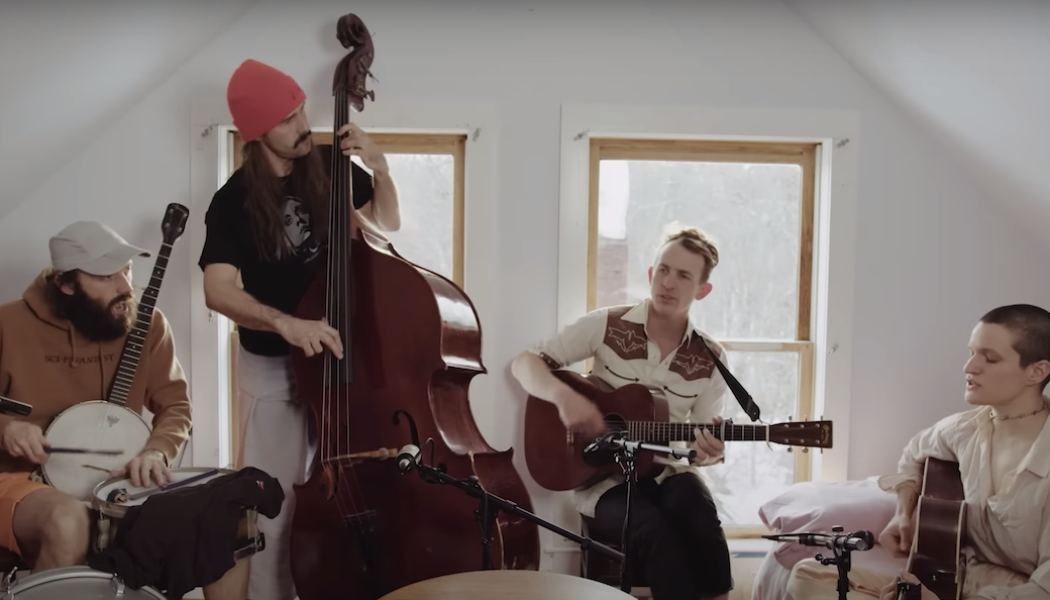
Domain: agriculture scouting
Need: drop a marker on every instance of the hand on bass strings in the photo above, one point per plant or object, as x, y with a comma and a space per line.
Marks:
578, 414
358, 142
707, 446
24, 439
889, 592
144, 470
311, 336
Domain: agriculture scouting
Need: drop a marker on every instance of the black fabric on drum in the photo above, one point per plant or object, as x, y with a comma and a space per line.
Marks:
185, 538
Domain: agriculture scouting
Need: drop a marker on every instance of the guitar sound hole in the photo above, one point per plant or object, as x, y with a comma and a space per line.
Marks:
615, 422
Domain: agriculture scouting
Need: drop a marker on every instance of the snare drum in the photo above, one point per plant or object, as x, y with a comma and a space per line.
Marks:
74, 583
111, 512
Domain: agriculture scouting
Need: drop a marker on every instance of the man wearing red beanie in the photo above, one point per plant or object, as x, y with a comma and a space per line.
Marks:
260, 226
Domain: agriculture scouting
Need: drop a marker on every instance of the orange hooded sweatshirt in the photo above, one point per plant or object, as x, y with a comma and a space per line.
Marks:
46, 363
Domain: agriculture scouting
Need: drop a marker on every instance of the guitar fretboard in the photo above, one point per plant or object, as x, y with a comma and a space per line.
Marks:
132, 352
683, 432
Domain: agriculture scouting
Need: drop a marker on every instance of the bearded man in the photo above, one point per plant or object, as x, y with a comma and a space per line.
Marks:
60, 345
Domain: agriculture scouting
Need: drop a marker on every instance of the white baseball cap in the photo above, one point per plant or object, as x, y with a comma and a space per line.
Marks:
93, 248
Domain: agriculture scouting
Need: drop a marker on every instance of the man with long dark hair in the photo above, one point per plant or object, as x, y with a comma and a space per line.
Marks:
269, 224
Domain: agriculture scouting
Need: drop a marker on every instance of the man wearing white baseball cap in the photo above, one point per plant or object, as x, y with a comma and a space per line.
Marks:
60, 345
93, 248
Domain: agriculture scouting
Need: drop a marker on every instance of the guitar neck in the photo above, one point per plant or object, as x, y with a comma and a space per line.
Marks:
683, 432
133, 344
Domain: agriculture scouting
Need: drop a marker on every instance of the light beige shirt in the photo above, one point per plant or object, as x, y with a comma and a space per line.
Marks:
1011, 528
617, 339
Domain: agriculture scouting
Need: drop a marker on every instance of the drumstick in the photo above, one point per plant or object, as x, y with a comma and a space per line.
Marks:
171, 486
53, 450
378, 454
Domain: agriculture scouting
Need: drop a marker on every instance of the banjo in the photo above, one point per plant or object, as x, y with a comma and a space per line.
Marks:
110, 423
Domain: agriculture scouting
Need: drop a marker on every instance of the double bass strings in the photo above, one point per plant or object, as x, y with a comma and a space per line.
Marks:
337, 310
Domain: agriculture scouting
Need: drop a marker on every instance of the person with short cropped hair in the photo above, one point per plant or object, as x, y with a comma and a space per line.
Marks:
1003, 450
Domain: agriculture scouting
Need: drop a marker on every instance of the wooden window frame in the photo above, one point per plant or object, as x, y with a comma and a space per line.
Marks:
390, 143
795, 153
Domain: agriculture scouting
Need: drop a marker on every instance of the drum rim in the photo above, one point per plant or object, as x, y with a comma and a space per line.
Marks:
112, 509
74, 572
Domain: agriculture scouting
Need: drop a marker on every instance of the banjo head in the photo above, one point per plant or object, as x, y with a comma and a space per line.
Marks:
97, 425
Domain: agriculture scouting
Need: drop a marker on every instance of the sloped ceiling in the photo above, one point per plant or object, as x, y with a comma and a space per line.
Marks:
69, 68
973, 73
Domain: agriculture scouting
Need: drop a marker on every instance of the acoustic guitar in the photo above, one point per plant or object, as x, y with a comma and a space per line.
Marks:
556, 459
936, 557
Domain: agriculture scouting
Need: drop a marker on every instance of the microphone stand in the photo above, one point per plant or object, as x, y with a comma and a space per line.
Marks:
486, 518
627, 457
841, 558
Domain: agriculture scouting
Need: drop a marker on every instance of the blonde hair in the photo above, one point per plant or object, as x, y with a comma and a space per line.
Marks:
696, 241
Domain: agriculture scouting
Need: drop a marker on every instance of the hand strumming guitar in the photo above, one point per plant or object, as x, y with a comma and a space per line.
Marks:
578, 414
898, 534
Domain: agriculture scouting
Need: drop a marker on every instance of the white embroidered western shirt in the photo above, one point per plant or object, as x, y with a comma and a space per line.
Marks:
1010, 528
616, 338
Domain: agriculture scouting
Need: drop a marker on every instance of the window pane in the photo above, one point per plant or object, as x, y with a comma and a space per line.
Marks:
753, 473
751, 210
425, 189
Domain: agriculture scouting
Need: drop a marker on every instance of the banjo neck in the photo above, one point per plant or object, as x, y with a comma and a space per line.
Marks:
172, 227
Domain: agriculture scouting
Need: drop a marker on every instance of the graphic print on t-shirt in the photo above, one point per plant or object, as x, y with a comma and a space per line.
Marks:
297, 228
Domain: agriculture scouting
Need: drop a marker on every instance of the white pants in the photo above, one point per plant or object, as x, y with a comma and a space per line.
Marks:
275, 439
811, 580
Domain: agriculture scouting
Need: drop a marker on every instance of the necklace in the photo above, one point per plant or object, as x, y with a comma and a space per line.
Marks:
1029, 414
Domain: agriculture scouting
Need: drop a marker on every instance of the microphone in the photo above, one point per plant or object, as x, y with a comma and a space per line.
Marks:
856, 541
9, 406
407, 458
616, 440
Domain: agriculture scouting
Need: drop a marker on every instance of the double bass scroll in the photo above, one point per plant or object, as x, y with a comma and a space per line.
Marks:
412, 345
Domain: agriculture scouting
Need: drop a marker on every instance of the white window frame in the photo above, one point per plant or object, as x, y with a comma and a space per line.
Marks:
209, 337
834, 232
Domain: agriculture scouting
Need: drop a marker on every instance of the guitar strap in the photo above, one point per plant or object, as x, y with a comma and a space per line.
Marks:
750, 408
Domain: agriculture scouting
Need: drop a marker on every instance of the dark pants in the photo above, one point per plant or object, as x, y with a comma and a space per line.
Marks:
676, 538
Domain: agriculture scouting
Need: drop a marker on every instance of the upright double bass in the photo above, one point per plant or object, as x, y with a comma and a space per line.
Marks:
412, 345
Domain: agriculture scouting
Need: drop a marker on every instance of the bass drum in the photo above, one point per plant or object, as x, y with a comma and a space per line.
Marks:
74, 583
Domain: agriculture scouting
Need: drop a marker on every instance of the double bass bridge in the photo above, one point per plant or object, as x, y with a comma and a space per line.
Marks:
361, 522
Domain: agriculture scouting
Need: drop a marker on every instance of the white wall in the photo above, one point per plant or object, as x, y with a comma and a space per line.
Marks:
932, 253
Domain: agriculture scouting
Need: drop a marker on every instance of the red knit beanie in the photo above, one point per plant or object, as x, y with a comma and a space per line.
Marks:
260, 97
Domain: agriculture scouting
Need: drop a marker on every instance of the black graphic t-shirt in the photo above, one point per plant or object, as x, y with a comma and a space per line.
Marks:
282, 283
